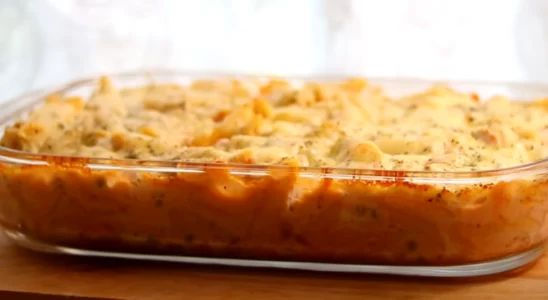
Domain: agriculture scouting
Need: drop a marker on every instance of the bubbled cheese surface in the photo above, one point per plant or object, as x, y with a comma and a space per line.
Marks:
350, 124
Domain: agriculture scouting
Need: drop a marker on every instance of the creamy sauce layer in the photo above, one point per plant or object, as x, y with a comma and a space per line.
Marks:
350, 124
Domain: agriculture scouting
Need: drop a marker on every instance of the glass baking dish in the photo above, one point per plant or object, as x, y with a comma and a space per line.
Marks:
326, 219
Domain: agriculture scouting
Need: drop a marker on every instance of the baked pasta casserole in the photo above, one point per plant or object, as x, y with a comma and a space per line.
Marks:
318, 171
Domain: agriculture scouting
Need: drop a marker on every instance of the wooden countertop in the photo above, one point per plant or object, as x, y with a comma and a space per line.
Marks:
28, 275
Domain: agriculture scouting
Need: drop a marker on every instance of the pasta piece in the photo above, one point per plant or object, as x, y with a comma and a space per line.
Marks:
498, 135
349, 150
165, 97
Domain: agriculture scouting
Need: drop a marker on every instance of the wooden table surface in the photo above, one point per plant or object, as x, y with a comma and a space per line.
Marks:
28, 275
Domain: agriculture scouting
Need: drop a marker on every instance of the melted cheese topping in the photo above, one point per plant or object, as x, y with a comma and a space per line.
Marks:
349, 124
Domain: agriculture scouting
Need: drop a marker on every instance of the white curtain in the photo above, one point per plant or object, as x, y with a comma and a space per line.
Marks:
46, 42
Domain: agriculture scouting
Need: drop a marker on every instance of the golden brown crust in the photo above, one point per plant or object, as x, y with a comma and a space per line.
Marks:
349, 124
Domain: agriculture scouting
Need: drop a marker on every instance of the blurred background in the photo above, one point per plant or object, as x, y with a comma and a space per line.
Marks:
47, 42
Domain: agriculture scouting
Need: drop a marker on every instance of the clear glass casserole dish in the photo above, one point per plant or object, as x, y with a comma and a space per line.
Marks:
331, 219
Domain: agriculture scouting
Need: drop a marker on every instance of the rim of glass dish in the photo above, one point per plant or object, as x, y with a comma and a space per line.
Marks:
15, 107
